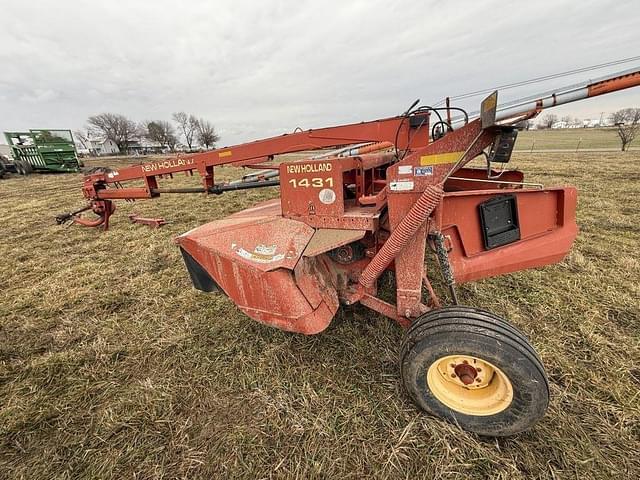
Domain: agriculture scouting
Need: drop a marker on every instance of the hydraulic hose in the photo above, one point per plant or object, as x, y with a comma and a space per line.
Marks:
398, 239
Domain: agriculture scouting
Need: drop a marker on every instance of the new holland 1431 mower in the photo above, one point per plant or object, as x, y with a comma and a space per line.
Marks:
395, 189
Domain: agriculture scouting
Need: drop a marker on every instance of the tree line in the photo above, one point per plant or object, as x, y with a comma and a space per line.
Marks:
194, 131
626, 121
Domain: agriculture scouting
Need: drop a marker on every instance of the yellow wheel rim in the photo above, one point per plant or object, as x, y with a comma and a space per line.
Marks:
469, 385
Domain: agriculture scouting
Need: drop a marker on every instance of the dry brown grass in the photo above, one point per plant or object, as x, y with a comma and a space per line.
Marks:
571, 139
112, 366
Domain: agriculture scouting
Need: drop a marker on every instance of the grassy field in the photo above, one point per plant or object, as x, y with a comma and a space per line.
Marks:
571, 139
113, 366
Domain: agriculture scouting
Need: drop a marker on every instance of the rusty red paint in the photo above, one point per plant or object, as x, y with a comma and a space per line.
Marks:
150, 222
274, 260
257, 255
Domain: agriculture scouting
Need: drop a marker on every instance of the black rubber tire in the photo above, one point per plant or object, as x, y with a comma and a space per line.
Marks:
20, 168
469, 331
28, 168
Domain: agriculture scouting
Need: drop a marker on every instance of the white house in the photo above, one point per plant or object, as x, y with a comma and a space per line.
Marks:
102, 146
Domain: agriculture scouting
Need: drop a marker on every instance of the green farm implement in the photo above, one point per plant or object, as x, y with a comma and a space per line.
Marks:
43, 151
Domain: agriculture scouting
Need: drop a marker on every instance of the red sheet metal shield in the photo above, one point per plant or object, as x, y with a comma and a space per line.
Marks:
256, 258
547, 231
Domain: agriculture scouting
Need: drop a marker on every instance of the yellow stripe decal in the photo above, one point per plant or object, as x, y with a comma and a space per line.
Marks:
440, 158
224, 154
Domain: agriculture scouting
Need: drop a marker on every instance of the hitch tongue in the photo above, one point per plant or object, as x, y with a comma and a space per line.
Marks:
63, 218
103, 208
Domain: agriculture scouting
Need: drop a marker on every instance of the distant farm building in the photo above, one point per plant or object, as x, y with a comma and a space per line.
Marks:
591, 123
98, 146
563, 124
603, 121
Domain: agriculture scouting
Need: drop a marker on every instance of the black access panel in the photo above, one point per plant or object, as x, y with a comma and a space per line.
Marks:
499, 220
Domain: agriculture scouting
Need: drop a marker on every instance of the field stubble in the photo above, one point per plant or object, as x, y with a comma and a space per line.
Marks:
112, 365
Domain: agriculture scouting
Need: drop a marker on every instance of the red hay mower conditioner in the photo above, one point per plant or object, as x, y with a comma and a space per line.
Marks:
395, 188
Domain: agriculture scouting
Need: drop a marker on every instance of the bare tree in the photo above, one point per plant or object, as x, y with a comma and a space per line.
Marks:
162, 132
188, 127
117, 127
567, 119
627, 121
207, 135
83, 138
549, 119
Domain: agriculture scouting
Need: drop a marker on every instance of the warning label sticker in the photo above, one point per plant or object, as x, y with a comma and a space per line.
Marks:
401, 186
423, 171
261, 254
440, 158
327, 196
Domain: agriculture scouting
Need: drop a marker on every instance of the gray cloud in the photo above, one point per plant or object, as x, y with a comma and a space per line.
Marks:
262, 68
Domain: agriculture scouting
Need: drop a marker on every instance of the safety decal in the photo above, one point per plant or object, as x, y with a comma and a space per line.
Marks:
260, 254
440, 158
401, 186
423, 171
327, 196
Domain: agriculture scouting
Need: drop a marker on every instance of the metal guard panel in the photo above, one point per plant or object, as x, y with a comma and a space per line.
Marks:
262, 243
300, 300
326, 239
547, 222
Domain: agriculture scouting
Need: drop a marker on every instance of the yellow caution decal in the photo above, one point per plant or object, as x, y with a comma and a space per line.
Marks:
440, 158
226, 153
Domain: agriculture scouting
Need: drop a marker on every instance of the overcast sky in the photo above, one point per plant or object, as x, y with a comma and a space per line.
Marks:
261, 68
